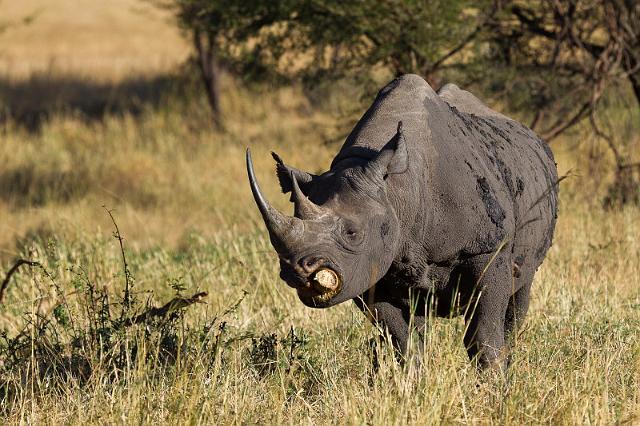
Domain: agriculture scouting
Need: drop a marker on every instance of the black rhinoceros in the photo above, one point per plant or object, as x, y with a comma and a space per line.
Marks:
434, 199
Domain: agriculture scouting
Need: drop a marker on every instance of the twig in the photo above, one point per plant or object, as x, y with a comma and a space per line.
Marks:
607, 138
12, 271
544, 195
127, 273
630, 166
561, 125
465, 41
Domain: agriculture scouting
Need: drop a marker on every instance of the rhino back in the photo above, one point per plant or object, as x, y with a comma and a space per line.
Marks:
523, 166
401, 99
475, 176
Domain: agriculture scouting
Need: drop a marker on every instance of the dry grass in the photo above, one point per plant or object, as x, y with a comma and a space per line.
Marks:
181, 198
104, 40
577, 361
150, 167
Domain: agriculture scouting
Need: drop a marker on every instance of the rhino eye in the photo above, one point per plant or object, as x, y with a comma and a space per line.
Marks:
351, 234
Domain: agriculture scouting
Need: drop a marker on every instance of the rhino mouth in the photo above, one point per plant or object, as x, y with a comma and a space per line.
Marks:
320, 287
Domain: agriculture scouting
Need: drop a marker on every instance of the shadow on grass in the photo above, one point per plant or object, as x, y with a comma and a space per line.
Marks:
29, 186
30, 103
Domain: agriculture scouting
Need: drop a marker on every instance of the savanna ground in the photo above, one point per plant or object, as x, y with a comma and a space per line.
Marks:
97, 118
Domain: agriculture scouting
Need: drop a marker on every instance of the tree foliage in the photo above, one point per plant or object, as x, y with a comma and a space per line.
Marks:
226, 33
400, 36
564, 55
553, 59
558, 59
315, 39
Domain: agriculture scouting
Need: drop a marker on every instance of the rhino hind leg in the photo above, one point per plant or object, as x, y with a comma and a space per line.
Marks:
484, 337
516, 311
517, 308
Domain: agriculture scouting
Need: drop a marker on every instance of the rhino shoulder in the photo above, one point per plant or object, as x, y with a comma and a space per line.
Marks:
466, 102
408, 84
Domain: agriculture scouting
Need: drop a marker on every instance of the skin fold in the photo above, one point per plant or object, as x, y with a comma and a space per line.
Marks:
435, 204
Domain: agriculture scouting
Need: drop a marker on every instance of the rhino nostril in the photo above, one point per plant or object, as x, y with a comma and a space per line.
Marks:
311, 263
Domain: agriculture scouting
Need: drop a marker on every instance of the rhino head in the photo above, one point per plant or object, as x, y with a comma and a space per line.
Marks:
344, 232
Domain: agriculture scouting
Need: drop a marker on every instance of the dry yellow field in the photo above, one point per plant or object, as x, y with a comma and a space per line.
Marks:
180, 197
104, 40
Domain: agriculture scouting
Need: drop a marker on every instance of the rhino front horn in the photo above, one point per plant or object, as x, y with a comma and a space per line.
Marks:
283, 229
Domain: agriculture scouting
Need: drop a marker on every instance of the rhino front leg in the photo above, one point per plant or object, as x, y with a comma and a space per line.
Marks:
389, 315
485, 318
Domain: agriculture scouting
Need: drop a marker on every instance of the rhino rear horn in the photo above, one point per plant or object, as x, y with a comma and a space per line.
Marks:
305, 209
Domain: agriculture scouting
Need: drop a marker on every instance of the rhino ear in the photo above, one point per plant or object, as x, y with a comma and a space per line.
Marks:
284, 173
393, 158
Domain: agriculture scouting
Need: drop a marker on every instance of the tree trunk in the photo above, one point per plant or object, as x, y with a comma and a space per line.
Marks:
209, 72
635, 84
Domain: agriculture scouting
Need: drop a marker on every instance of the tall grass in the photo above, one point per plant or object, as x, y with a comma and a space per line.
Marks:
180, 196
179, 192
254, 354
151, 164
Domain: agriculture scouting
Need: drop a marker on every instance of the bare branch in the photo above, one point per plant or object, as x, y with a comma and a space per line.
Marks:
608, 139
12, 271
167, 309
125, 265
561, 126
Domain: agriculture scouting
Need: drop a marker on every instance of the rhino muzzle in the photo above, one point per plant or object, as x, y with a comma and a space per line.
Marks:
321, 287
325, 280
